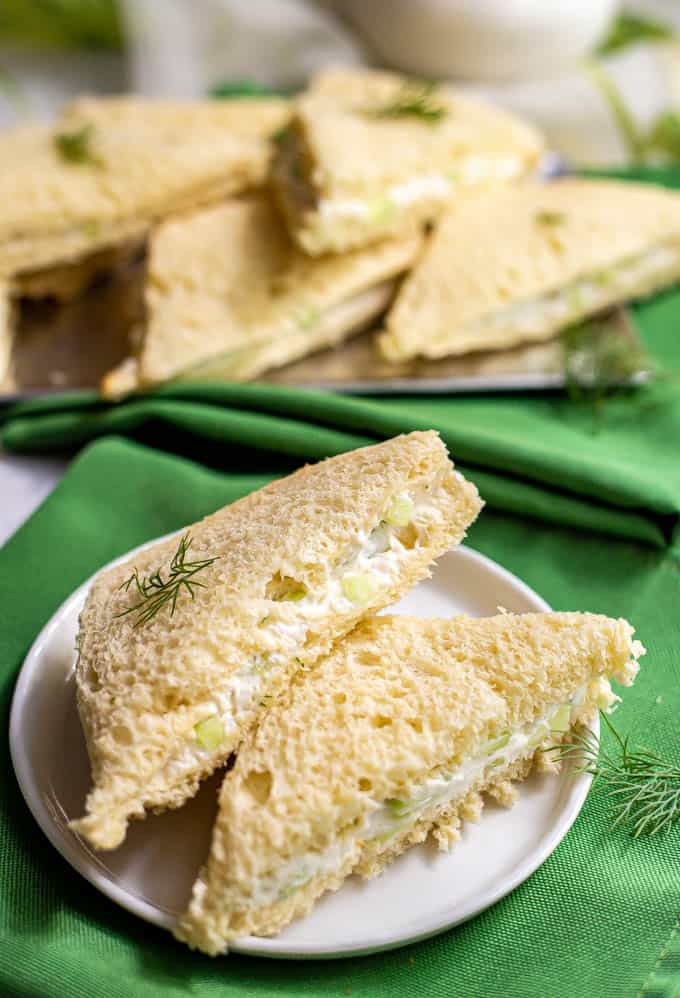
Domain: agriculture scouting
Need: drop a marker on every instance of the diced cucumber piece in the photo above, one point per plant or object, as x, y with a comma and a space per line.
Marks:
381, 210
360, 587
398, 807
308, 318
539, 735
400, 511
575, 301
604, 278
498, 743
560, 719
404, 808
209, 732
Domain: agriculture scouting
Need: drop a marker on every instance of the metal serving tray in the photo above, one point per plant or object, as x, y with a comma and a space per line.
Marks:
69, 346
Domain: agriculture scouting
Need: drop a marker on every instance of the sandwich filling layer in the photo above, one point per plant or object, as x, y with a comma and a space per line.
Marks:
388, 818
635, 277
372, 563
297, 173
433, 186
309, 327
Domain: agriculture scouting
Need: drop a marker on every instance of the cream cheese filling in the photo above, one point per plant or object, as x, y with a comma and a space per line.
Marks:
585, 295
375, 559
437, 186
386, 819
294, 334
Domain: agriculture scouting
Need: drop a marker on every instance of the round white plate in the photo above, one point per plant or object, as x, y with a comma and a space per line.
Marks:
422, 893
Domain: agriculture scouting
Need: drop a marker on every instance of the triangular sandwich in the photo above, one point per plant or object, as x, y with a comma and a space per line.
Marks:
229, 295
394, 735
181, 647
371, 153
82, 185
520, 264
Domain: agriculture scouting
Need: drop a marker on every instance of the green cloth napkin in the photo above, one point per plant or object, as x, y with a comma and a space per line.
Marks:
594, 920
590, 519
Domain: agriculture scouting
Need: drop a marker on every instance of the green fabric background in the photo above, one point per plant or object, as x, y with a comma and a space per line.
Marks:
588, 519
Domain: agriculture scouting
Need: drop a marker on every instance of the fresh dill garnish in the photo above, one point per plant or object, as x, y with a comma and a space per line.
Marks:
598, 363
657, 142
156, 592
76, 147
550, 217
663, 137
416, 100
629, 29
643, 789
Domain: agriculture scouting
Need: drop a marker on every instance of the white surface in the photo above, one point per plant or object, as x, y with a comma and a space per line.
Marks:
172, 52
421, 894
481, 39
24, 483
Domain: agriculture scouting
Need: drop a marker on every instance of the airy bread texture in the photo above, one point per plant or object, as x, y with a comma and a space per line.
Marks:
134, 172
521, 263
348, 174
399, 701
297, 566
228, 293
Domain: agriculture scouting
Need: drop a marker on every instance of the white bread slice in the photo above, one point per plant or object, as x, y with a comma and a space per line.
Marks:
522, 263
347, 175
133, 173
228, 295
250, 118
394, 734
299, 563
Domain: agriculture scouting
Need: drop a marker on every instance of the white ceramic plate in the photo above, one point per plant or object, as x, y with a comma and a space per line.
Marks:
422, 893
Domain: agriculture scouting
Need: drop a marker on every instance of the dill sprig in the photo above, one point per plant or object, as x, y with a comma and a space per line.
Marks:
76, 147
628, 29
550, 217
659, 141
642, 789
417, 100
156, 592
600, 363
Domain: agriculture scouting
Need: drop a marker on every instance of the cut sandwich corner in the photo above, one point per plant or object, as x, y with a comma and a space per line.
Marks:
169, 685
396, 734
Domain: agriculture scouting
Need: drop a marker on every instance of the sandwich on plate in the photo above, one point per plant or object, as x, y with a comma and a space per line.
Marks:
88, 184
393, 735
229, 295
522, 263
370, 153
182, 646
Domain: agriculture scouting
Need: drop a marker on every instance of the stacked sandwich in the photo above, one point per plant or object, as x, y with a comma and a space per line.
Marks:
249, 265
366, 161
81, 196
355, 735
275, 228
